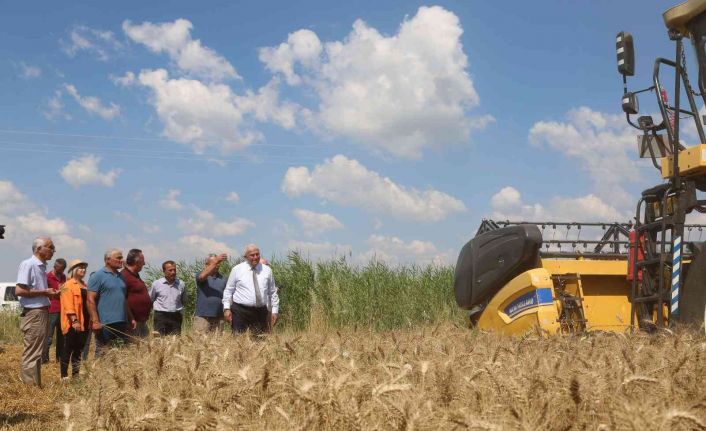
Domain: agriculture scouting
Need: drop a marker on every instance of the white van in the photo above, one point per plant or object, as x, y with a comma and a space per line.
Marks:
8, 299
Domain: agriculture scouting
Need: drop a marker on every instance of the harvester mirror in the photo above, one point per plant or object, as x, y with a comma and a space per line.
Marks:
626, 54
630, 103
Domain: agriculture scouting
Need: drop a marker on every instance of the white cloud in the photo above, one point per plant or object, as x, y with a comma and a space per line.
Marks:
202, 246
319, 250
171, 202
393, 250
314, 223
206, 221
26, 220
11, 198
84, 171
302, 46
174, 39
29, 72
124, 81
100, 43
348, 183
507, 197
93, 105
398, 94
265, 106
197, 114
55, 108
507, 204
146, 227
604, 144
38, 223
233, 197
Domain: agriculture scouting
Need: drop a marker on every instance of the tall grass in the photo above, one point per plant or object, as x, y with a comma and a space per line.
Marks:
10, 326
336, 293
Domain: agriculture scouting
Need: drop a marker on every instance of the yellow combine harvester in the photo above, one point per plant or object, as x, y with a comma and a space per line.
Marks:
642, 275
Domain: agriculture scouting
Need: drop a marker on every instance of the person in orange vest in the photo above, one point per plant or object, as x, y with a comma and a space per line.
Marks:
75, 323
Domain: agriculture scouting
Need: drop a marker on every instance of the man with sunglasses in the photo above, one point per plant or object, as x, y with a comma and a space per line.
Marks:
34, 294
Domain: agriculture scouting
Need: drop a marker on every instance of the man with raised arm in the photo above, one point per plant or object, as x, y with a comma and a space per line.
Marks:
209, 295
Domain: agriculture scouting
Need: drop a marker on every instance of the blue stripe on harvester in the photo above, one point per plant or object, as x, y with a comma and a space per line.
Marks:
529, 300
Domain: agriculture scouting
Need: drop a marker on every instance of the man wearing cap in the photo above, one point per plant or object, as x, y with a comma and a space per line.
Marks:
110, 314
34, 294
250, 299
55, 278
138, 297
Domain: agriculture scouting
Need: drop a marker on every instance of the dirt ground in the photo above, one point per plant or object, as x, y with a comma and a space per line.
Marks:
25, 407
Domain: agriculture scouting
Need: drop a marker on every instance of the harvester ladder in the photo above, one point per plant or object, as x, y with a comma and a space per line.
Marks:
655, 235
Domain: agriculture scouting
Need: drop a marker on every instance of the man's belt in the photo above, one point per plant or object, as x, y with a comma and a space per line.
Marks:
168, 312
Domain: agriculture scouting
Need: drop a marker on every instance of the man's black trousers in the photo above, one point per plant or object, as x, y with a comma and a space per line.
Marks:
254, 318
167, 323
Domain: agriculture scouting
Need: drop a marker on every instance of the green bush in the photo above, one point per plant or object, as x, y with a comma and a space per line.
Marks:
336, 293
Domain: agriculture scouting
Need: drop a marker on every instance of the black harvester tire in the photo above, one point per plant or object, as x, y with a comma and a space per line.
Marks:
692, 303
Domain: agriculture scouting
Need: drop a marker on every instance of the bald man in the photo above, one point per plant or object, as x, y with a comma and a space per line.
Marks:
250, 300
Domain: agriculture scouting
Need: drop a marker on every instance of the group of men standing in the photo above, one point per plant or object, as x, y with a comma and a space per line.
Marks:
119, 304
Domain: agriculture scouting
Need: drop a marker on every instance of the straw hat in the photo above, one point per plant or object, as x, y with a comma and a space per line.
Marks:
74, 263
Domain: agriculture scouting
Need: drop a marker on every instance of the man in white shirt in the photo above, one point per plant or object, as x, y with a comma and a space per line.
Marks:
168, 296
34, 293
250, 299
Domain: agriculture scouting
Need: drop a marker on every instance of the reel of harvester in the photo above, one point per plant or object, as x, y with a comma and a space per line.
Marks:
646, 274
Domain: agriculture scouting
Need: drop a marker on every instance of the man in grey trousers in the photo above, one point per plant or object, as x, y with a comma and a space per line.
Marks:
34, 294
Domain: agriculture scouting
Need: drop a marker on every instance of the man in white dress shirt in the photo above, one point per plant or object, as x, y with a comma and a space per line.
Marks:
250, 299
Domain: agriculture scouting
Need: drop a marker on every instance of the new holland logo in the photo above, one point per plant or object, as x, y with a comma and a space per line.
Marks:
529, 300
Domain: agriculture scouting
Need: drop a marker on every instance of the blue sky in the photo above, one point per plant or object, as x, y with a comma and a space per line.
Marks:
368, 129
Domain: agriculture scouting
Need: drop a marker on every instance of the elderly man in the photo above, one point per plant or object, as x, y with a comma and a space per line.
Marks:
111, 316
168, 296
209, 295
138, 297
55, 278
250, 299
34, 296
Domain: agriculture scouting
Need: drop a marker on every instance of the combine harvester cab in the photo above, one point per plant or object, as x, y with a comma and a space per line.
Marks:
647, 275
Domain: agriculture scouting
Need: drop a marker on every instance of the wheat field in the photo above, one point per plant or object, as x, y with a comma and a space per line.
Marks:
437, 377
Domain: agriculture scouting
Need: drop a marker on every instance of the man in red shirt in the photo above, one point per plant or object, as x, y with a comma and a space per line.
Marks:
55, 278
138, 298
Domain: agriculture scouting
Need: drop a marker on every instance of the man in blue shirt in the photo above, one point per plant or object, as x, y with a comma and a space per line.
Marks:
34, 296
209, 295
110, 314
